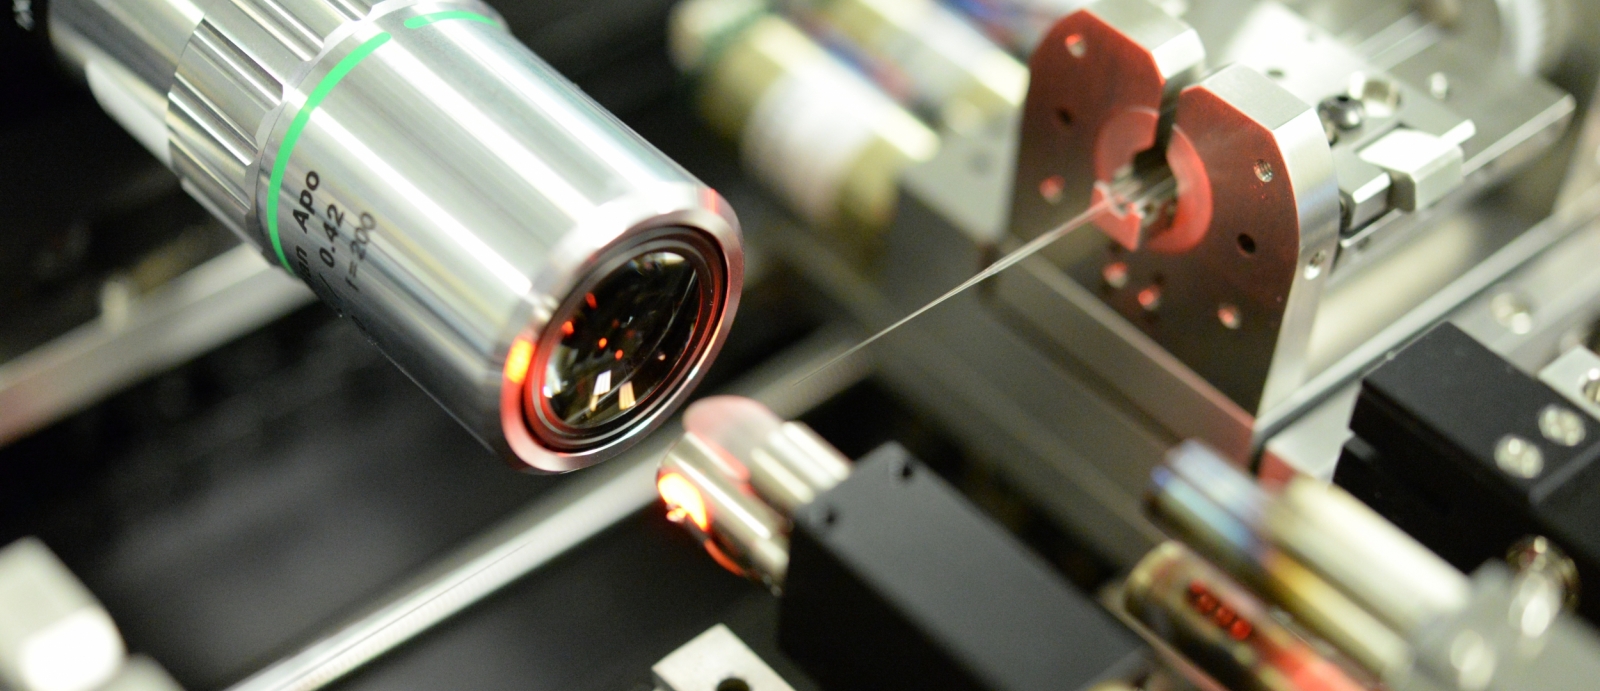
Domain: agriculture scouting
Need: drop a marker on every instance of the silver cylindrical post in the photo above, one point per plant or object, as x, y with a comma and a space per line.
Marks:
550, 278
741, 532
785, 463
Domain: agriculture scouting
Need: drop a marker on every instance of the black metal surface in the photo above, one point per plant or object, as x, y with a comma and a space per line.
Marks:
897, 581
1427, 424
27, 82
82, 200
597, 619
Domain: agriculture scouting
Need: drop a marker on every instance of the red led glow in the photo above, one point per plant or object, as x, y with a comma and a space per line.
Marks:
1240, 630
1223, 616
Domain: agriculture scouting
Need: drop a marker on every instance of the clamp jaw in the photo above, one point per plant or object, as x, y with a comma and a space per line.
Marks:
1238, 187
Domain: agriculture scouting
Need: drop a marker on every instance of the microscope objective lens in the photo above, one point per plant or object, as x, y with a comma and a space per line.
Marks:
622, 341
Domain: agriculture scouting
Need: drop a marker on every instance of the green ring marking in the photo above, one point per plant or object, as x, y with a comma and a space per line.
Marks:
280, 165
286, 149
422, 20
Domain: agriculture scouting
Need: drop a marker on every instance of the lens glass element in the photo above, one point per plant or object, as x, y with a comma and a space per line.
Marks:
623, 341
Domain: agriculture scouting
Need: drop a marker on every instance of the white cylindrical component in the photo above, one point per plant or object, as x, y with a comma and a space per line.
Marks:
827, 142
54, 636
1021, 24
950, 70
142, 674
1367, 557
742, 533
785, 463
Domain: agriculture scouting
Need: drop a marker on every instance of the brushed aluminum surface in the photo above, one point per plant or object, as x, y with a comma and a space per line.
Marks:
424, 173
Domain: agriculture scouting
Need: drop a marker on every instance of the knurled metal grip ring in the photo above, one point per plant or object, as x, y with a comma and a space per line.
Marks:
232, 80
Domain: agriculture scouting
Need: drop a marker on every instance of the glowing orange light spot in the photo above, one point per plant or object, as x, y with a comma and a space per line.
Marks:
566, 328
602, 342
683, 500
517, 361
619, 355
1307, 670
589, 298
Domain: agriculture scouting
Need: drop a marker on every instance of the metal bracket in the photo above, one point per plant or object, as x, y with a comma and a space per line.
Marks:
716, 661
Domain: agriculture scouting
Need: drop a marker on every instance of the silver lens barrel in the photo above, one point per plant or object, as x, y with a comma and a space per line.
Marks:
550, 278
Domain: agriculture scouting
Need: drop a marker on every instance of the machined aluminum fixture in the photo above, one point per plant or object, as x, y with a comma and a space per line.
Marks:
550, 278
737, 475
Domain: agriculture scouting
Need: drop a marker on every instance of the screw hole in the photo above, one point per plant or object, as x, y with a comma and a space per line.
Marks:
1150, 298
1229, 316
827, 516
1051, 188
1076, 46
1247, 244
1314, 267
905, 471
733, 684
1064, 116
1115, 275
1263, 171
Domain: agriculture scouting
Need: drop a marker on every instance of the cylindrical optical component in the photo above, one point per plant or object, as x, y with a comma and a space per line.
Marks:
1225, 630
936, 62
703, 494
1019, 24
828, 143
550, 278
785, 463
1222, 514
